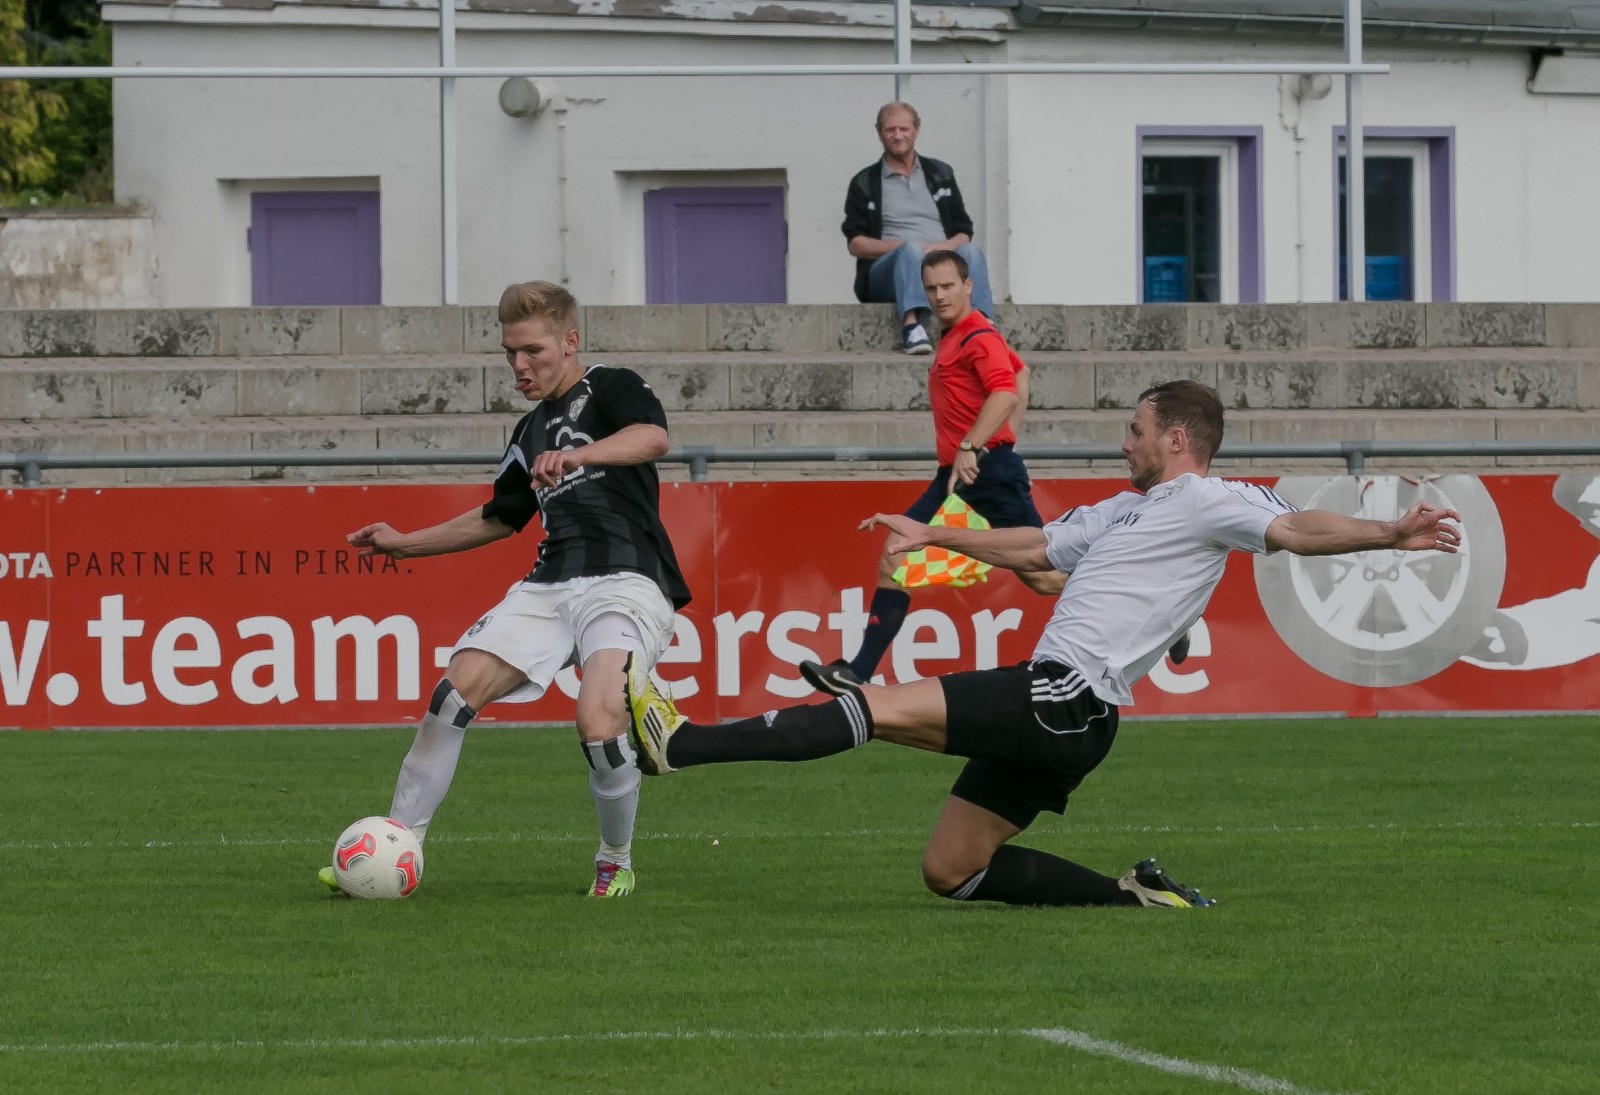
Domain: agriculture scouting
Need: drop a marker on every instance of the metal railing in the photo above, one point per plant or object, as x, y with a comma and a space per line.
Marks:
1355, 454
886, 68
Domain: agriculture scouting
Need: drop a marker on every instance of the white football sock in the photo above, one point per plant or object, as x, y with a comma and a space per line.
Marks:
429, 767
614, 786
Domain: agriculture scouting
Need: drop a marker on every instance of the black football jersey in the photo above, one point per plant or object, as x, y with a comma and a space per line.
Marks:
597, 520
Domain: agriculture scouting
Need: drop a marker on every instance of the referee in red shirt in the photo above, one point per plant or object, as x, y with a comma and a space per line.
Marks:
978, 390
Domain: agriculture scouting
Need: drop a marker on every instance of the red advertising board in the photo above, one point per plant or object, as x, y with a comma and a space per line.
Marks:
242, 606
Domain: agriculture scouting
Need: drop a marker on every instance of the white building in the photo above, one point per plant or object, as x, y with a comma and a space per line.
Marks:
1483, 147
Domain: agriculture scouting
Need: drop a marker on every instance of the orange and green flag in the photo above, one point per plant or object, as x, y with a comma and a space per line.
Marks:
937, 566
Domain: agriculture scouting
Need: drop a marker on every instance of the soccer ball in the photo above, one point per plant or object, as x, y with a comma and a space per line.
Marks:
377, 858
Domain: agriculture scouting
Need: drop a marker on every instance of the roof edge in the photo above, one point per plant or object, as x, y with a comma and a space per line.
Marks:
1308, 26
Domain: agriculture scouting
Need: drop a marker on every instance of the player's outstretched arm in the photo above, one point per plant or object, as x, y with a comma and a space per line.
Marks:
1019, 549
639, 443
469, 530
1423, 527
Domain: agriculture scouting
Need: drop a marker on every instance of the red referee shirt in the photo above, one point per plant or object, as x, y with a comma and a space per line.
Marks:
973, 361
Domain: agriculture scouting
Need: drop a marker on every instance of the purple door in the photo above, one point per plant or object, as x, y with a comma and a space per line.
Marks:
725, 245
314, 247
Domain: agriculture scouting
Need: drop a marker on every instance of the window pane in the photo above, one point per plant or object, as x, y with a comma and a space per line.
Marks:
1182, 228
1390, 228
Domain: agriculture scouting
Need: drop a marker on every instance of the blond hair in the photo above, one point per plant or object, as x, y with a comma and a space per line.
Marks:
542, 299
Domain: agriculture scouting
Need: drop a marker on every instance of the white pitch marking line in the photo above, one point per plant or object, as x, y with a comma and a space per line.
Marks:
1072, 1039
469, 1041
223, 841
1178, 1066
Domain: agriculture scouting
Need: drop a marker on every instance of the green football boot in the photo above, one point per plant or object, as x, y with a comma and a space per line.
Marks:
611, 880
652, 720
326, 877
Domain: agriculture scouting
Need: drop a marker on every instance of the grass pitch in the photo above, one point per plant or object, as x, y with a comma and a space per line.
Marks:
1405, 906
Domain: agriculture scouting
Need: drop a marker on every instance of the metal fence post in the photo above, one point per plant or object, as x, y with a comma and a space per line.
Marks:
1355, 161
902, 47
449, 256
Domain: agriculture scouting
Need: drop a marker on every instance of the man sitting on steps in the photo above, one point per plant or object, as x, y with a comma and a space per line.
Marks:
899, 208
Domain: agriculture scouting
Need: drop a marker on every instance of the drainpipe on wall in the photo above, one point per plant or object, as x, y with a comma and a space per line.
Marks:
1289, 103
1293, 91
521, 97
559, 106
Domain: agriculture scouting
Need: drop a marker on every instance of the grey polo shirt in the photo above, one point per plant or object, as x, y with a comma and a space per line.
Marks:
908, 209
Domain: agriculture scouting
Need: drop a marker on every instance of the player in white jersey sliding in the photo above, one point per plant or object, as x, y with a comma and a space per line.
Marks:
1141, 568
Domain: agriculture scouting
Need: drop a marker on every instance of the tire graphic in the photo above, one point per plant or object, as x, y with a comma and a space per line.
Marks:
1386, 618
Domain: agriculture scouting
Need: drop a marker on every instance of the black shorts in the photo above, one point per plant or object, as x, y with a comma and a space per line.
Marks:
1001, 493
1032, 731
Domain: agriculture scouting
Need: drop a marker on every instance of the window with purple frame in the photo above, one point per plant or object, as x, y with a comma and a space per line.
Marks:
1199, 214
1410, 212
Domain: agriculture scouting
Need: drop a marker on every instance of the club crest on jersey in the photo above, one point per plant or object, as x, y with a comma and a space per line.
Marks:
577, 405
569, 438
480, 625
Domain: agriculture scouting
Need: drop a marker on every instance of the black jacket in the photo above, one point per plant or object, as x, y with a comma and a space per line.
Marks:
863, 207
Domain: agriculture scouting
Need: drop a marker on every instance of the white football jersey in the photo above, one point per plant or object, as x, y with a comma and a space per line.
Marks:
1141, 568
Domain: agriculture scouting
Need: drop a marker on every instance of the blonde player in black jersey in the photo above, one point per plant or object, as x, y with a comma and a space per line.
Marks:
1141, 567
602, 590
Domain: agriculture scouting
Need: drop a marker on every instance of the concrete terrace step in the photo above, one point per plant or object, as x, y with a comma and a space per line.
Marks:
488, 433
1506, 378
794, 328
415, 379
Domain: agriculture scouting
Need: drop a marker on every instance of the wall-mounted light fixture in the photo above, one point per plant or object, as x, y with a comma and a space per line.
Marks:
520, 97
1313, 86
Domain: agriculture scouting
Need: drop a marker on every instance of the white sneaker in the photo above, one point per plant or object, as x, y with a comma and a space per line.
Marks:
916, 340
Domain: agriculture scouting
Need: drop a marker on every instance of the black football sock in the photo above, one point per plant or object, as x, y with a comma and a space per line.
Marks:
795, 733
1025, 876
884, 617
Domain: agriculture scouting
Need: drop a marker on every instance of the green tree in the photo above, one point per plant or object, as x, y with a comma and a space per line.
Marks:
55, 135
80, 135
61, 18
26, 160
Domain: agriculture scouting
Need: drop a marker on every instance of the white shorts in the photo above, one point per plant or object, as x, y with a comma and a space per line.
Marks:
541, 627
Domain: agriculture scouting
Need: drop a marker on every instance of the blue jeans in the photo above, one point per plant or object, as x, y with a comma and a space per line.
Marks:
897, 276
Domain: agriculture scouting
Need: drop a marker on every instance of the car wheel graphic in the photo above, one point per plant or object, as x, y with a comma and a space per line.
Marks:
1386, 618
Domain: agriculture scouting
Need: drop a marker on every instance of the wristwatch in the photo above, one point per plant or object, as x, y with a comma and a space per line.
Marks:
966, 446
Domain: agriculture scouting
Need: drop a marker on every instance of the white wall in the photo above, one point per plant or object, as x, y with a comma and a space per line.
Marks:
1526, 165
179, 142
1048, 164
